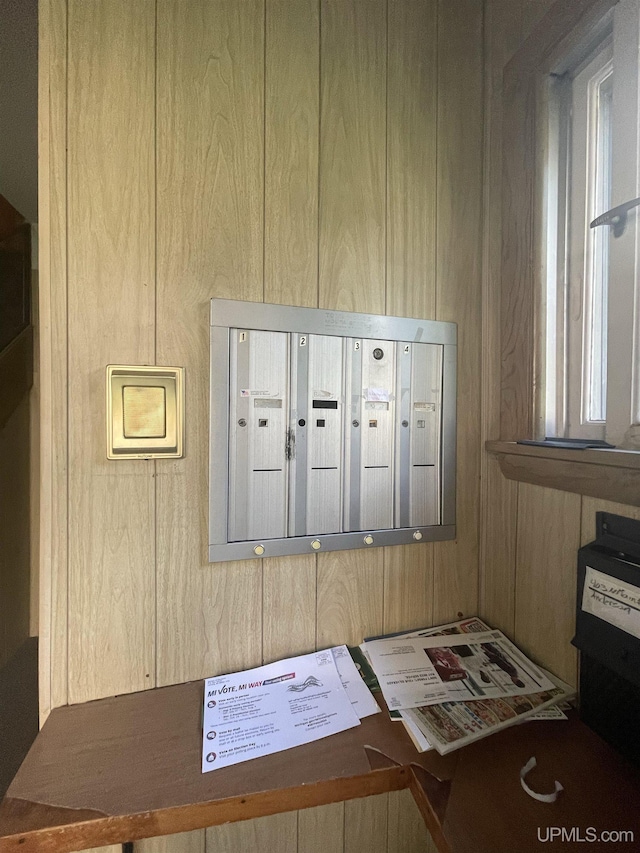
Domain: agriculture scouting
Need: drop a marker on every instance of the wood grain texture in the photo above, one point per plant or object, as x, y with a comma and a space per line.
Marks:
111, 216
276, 832
408, 587
52, 194
517, 296
590, 506
210, 59
504, 31
292, 115
182, 842
459, 283
412, 98
321, 830
406, 830
352, 156
112, 848
288, 606
502, 35
548, 540
365, 825
577, 476
498, 540
350, 585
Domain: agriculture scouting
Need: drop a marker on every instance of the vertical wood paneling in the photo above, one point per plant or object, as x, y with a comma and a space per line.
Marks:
277, 832
365, 825
352, 156
183, 842
289, 607
291, 152
110, 264
500, 518
321, 829
412, 100
209, 243
459, 199
548, 539
408, 587
210, 154
516, 307
52, 95
112, 848
349, 596
502, 34
406, 829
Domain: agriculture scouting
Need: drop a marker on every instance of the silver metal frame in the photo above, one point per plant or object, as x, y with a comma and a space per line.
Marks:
227, 314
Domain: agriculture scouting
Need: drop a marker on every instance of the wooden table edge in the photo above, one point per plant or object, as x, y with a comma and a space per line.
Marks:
117, 829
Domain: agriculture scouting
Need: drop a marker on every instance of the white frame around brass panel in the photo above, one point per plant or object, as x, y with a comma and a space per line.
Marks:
159, 423
339, 482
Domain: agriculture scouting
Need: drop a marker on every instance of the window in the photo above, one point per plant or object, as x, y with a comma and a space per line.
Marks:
591, 310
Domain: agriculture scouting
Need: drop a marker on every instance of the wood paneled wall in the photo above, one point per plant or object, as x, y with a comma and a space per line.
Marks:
530, 534
309, 152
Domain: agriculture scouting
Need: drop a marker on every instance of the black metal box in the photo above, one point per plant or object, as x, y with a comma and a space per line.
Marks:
608, 632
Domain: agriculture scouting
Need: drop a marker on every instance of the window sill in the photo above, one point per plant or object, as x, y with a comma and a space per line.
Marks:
613, 475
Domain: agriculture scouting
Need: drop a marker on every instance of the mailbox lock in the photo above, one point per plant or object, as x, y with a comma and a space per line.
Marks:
355, 423
405, 423
417, 535
242, 422
368, 539
378, 354
302, 422
316, 545
258, 550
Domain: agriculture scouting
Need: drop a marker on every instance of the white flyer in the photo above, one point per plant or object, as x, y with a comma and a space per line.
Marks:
418, 671
273, 707
613, 600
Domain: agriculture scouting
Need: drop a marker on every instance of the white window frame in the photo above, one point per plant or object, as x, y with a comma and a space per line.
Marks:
569, 207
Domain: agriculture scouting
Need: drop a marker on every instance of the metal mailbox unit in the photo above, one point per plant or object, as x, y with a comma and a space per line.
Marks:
328, 430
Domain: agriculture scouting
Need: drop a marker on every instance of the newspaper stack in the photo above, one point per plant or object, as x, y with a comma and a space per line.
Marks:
450, 692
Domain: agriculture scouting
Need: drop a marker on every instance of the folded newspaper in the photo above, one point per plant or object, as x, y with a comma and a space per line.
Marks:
496, 673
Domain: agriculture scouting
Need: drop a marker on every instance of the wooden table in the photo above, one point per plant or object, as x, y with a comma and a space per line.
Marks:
128, 767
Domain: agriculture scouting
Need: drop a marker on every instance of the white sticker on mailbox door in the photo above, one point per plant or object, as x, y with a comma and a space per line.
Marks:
612, 600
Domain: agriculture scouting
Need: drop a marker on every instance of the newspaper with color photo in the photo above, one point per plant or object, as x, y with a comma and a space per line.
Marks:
423, 670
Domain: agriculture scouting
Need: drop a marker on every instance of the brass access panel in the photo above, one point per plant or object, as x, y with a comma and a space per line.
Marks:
145, 412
